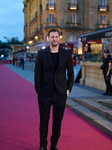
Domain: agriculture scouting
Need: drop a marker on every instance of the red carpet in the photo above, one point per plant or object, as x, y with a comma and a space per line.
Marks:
19, 120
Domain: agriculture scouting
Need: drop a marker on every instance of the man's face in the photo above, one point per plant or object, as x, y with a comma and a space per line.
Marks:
54, 38
106, 55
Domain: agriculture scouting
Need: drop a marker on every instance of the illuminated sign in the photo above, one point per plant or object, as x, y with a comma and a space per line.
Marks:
84, 39
108, 34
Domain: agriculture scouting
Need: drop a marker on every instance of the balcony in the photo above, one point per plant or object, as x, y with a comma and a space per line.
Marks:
103, 8
103, 25
73, 7
73, 25
50, 7
50, 25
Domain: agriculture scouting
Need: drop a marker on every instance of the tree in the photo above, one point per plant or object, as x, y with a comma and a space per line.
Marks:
13, 40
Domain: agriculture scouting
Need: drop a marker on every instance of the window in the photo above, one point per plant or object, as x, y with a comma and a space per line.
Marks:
103, 19
73, 2
51, 2
72, 38
73, 18
51, 18
103, 3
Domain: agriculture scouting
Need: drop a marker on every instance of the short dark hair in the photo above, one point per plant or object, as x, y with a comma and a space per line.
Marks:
53, 30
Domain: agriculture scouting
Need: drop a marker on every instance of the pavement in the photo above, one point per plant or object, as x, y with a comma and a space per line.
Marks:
87, 102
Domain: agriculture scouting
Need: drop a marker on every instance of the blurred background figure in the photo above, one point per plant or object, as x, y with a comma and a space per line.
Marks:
79, 58
22, 63
14, 61
106, 67
88, 54
74, 59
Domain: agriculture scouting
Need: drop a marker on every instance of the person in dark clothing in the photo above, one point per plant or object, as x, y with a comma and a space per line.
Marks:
74, 60
88, 54
22, 63
14, 61
107, 62
52, 86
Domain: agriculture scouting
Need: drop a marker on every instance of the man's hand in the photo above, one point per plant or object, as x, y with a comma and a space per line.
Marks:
67, 92
107, 74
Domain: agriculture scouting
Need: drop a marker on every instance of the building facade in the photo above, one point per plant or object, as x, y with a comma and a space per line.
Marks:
71, 17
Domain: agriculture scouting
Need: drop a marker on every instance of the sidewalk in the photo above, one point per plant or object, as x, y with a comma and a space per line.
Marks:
87, 102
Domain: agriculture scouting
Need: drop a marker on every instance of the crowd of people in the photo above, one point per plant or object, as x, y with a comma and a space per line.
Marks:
30, 58
82, 57
19, 62
78, 58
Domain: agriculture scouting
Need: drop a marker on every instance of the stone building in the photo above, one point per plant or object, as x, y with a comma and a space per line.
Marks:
71, 17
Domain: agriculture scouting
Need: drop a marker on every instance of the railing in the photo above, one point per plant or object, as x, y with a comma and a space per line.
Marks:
73, 25
103, 8
73, 6
98, 26
5, 62
49, 25
51, 6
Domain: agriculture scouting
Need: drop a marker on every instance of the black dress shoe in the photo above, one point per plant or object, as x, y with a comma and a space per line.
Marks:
43, 148
54, 148
105, 93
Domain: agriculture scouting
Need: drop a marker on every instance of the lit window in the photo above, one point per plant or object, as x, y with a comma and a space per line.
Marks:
72, 37
72, 4
103, 19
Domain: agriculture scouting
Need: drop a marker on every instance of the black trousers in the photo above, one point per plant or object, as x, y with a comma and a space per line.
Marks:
107, 82
45, 104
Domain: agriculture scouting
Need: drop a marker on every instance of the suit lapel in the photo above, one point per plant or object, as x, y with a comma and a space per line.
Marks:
60, 57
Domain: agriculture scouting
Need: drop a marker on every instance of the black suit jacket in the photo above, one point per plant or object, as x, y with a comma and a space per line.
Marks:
46, 78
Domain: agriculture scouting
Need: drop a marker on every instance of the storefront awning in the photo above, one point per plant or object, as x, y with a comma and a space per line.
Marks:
42, 44
104, 33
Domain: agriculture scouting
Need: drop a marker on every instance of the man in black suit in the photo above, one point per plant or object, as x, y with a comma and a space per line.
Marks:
52, 86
